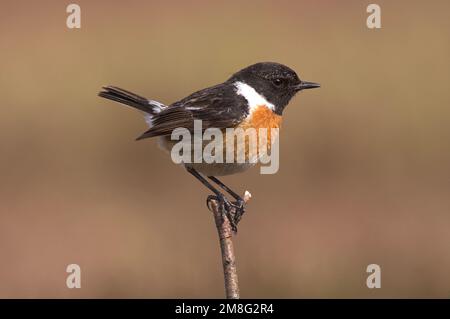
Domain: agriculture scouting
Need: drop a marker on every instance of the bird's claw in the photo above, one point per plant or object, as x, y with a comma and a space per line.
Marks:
239, 210
232, 210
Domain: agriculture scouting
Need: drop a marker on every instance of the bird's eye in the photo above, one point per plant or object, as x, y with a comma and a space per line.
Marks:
278, 81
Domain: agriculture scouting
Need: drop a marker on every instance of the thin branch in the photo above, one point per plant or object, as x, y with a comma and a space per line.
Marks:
226, 247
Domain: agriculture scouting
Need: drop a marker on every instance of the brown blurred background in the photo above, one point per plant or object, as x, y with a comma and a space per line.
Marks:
364, 175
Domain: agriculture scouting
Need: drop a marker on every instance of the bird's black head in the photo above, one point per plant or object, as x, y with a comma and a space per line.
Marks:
276, 82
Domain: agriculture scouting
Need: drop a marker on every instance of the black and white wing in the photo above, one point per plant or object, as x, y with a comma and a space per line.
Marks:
218, 107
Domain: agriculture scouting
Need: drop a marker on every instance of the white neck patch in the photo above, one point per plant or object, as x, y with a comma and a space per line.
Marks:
253, 98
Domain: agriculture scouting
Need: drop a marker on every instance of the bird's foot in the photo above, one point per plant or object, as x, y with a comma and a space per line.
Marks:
239, 210
233, 211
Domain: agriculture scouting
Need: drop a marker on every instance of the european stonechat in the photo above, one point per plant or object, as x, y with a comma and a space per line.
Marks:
254, 97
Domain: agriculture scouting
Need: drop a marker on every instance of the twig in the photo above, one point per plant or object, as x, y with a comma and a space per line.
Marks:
225, 233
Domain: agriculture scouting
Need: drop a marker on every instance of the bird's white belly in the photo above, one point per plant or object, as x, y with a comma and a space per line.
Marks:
211, 168
219, 169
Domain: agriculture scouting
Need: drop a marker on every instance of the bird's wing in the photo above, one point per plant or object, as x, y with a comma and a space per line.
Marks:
218, 107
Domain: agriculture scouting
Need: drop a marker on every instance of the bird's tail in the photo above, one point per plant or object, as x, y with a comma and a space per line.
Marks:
122, 96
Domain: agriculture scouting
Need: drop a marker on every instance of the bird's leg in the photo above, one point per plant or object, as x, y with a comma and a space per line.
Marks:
225, 205
239, 204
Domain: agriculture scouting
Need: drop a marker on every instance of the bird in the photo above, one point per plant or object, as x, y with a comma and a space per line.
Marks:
253, 97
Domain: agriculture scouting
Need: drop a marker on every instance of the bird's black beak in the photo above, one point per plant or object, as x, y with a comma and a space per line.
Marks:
306, 85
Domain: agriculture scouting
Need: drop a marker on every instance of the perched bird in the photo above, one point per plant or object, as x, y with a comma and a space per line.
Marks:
254, 97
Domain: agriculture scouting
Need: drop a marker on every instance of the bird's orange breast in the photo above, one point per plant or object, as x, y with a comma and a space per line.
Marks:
262, 118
